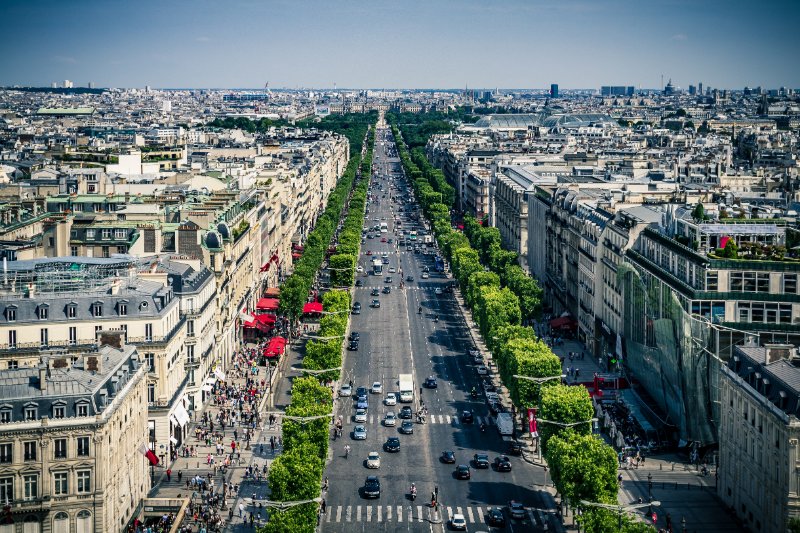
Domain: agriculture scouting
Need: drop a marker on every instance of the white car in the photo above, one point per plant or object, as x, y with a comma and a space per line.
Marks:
377, 388
359, 268
374, 460
361, 415
458, 522
390, 420
476, 356
482, 370
438, 291
390, 399
492, 397
345, 390
392, 270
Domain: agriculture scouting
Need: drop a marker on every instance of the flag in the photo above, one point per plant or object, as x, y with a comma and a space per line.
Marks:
532, 427
145, 450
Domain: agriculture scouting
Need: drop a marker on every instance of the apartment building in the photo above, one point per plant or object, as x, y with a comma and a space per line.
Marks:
70, 430
759, 433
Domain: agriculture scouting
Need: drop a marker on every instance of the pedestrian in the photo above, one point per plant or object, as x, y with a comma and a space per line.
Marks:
169, 474
272, 444
241, 509
180, 475
324, 505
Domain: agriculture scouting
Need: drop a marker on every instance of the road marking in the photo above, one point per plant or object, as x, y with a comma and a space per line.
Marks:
480, 514
339, 514
399, 513
329, 512
380, 511
419, 513
449, 420
349, 514
458, 511
369, 513
358, 514
388, 512
449, 513
371, 419
469, 515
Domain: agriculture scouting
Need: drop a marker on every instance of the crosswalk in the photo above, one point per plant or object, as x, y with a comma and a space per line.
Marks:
436, 419
473, 514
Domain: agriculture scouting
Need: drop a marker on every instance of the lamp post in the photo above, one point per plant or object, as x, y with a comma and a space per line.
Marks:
538, 381
650, 490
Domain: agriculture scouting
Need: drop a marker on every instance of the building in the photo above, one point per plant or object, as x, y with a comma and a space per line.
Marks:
554, 90
70, 430
759, 433
617, 90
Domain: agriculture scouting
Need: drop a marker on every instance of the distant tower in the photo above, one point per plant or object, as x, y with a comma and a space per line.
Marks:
554, 90
91, 85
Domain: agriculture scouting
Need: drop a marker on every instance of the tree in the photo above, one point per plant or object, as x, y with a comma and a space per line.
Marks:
582, 467
342, 268
699, 212
731, 251
565, 405
476, 281
295, 475
527, 289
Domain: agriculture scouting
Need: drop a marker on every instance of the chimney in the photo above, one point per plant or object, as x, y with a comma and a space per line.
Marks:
31, 290
43, 376
776, 352
115, 286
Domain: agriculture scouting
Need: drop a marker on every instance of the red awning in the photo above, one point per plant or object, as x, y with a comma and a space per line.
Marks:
312, 307
563, 322
272, 292
262, 322
297, 247
275, 347
265, 266
296, 255
268, 304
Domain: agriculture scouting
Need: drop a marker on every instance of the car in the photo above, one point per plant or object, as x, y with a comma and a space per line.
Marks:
376, 304
392, 270
360, 416
482, 370
488, 386
481, 460
431, 382
359, 283
385, 261
496, 407
353, 346
372, 487
383, 239
407, 427
458, 522
361, 391
361, 403
356, 309
425, 275
387, 290
463, 472
515, 448
375, 291
448, 457
345, 390
390, 399
359, 268
390, 420
376, 388
492, 397
495, 517
467, 417
373, 460
477, 357
516, 509
406, 413
409, 278
426, 269
387, 279
409, 248
390, 241
360, 433
355, 336
369, 252
438, 291
502, 463
392, 444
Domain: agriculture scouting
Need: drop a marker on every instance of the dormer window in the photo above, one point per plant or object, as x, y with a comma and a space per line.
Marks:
43, 312
97, 309
122, 308
11, 313
6, 414
59, 410
31, 412
82, 409
72, 310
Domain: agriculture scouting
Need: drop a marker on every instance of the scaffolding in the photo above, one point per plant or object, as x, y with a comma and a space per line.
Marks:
67, 275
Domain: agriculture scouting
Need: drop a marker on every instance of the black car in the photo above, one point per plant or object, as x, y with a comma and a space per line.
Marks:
407, 427
462, 472
406, 413
355, 336
359, 283
502, 463
353, 346
515, 448
392, 444
448, 457
376, 304
387, 290
357, 308
431, 382
387, 279
372, 487
467, 417
375, 291
361, 391
495, 517
409, 278
481, 460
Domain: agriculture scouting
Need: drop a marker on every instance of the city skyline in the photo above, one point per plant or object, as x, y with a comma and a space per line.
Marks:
381, 44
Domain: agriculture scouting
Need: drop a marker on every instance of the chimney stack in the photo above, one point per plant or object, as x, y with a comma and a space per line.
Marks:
43, 376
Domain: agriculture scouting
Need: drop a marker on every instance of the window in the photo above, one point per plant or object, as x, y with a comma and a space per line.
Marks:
44, 337
97, 309
73, 335
712, 281
72, 311
90, 234
148, 332
151, 392
30, 448
31, 486
106, 233
60, 483
42, 312
11, 314
190, 353
122, 249
59, 411
84, 478
97, 330
73, 250
6, 455
750, 281
106, 252
12, 338
5, 416
13, 364
150, 360
31, 413
120, 233
123, 309
83, 446
190, 327
60, 448
790, 283
6, 489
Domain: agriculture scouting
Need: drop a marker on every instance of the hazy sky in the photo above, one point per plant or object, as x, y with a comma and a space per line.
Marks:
400, 43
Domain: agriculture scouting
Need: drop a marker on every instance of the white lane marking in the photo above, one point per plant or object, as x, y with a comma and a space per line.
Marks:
388, 512
419, 513
349, 514
380, 510
469, 515
399, 513
358, 514
369, 513
329, 512
339, 514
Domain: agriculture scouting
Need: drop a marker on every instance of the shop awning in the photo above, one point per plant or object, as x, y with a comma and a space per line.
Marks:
566, 322
267, 304
275, 347
272, 292
312, 307
296, 255
262, 322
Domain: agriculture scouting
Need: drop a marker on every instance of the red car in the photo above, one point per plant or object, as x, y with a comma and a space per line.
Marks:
369, 252
383, 239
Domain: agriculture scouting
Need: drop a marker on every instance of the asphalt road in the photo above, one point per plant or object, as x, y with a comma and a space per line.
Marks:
396, 340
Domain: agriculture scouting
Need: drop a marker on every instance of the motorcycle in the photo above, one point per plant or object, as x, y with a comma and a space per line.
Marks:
419, 311
474, 394
413, 493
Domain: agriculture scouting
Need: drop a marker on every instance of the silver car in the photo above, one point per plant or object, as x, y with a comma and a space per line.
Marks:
390, 420
360, 433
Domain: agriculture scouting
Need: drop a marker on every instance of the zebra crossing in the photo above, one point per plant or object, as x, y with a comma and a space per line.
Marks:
343, 514
438, 419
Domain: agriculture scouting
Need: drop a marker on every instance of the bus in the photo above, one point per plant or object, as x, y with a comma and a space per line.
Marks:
384, 227
377, 266
438, 264
413, 235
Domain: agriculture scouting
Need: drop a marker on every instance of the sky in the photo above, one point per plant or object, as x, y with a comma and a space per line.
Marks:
400, 43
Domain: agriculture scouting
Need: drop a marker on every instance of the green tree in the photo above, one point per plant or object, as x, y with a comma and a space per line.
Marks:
582, 467
342, 268
295, 475
731, 251
476, 281
563, 404
495, 308
527, 289
299, 519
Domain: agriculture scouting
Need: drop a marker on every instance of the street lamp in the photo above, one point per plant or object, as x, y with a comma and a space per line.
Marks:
315, 372
619, 509
650, 490
540, 380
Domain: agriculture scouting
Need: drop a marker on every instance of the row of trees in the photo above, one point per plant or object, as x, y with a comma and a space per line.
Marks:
296, 475
501, 295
